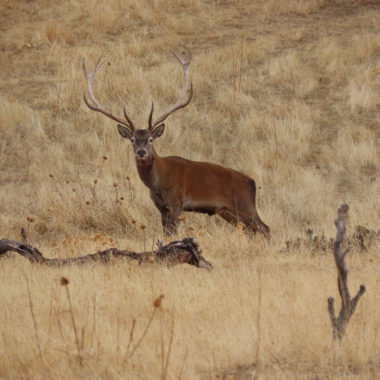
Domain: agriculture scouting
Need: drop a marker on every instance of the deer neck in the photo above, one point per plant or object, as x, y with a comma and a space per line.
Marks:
149, 170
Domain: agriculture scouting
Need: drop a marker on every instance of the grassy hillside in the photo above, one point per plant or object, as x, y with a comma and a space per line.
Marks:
287, 92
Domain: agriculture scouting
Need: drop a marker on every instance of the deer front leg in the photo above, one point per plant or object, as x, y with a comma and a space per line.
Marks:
169, 213
169, 221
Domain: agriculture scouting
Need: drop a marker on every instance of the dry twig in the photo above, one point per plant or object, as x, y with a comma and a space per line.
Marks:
348, 305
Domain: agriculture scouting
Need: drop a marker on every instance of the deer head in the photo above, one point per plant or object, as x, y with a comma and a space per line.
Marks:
142, 139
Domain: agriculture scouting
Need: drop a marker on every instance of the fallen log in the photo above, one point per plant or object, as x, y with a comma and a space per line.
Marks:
186, 251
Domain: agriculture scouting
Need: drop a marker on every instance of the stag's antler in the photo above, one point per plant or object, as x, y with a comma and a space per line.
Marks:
96, 106
178, 105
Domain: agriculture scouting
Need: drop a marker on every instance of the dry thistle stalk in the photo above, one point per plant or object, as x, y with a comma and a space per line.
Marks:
35, 327
143, 227
30, 220
165, 360
130, 187
65, 283
130, 338
129, 355
23, 235
348, 305
258, 322
158, 300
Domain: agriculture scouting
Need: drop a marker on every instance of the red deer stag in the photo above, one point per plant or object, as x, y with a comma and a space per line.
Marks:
177, 184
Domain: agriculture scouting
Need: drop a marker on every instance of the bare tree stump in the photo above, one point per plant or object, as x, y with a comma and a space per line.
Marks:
186, 251
348, 305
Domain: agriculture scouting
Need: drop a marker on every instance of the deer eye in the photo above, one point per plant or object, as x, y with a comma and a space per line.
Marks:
133, 139
150, 140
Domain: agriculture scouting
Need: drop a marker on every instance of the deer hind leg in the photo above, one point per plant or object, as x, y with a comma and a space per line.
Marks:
227, 215
252, 222
249, 215
255, 224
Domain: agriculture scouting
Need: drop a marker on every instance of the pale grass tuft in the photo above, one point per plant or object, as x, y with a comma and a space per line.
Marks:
363, 89
301, 7
57, 33
288, 71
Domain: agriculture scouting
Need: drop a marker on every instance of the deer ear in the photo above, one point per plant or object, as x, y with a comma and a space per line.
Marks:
124, 132
158, 131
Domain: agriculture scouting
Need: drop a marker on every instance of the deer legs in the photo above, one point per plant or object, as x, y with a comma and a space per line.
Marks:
171, 211
251, 222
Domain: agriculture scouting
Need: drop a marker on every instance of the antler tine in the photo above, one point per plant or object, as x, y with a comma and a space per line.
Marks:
150, 117
98, 65
178, 104
96, 105
128, 119
180, 58
186, 68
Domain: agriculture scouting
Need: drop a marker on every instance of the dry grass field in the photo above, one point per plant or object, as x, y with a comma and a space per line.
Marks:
285, 91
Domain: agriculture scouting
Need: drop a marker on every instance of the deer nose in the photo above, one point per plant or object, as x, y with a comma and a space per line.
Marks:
141, 152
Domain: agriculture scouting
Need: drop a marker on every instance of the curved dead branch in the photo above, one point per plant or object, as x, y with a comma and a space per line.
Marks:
186, 251
348, 305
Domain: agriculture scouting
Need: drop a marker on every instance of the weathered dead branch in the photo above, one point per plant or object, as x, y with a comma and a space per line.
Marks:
348, 305
186, 251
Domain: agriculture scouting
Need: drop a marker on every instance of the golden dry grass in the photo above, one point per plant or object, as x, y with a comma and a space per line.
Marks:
288, 92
